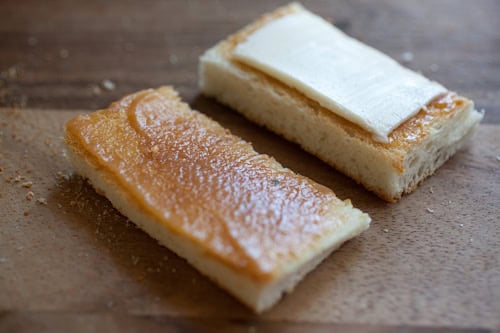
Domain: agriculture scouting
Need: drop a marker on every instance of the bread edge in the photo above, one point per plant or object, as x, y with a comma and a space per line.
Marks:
257, 295
387, 173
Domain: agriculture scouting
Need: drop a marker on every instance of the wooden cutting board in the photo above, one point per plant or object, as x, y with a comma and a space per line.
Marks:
433, 259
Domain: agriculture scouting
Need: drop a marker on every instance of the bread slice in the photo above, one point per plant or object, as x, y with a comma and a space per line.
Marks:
251, 225
415, 149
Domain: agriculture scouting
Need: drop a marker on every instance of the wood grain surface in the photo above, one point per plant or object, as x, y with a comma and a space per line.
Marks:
427, 262
55, 322
55, 53
431, 259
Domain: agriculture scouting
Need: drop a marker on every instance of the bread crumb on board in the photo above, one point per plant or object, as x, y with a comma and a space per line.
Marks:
407, 57
41, 201
32, 40
27, 184
108, 85
63, 53
29, 196
429, 210
96, 90
173, 59
434, 68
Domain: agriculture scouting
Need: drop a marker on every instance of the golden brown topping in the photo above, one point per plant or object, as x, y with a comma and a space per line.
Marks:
205, 183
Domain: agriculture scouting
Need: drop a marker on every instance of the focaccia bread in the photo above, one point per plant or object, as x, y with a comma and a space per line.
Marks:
251, 225
263, 84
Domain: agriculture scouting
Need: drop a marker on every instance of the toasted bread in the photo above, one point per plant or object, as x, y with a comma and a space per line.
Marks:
414, 151
251, 225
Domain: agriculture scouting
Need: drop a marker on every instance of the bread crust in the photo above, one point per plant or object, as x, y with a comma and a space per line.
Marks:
257, 289
443, 119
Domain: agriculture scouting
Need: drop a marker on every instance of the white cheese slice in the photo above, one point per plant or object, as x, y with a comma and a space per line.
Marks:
342, 74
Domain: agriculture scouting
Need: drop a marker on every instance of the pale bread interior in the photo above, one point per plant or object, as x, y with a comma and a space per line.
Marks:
258, 295
388, 172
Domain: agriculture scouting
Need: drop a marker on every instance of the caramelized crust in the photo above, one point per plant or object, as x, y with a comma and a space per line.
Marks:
408, 134
205, 184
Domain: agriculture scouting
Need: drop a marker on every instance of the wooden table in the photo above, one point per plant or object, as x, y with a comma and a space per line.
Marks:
432, 260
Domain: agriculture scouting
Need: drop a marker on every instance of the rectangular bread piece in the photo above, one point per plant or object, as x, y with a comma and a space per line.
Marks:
239, 217
413, 151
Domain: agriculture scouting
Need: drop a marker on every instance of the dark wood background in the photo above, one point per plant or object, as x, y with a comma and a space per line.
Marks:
54, 53
54, 59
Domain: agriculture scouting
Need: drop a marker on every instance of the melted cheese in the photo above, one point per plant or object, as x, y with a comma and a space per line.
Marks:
344, 75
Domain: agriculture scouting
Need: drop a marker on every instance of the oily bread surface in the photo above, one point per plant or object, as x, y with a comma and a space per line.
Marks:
257, 293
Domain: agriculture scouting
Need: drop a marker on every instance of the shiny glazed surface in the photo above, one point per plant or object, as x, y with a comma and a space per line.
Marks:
417, 127
408, 134
206, 184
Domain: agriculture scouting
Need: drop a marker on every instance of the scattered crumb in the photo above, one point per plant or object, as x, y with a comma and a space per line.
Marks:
461, 225
12, 72
30, 195
26, 213
431, 190
96, 90
108, 85
173, 59
407, 57
129, 47
498, 159
32, 41
62, 176
434, 68
63, 53
429, 210
27, 184
386, 230
18, 178
41, 201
